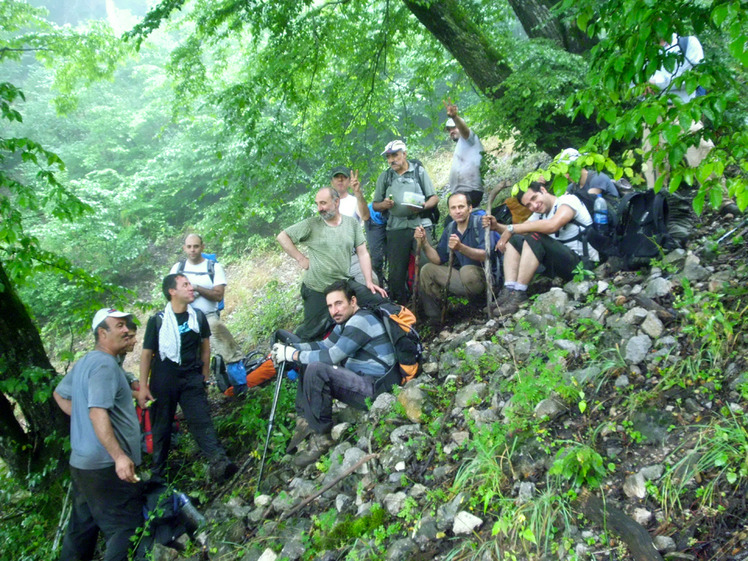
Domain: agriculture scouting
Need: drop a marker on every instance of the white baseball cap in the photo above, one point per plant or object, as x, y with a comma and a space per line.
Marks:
568, 156
104, 313
450, 124
394, 147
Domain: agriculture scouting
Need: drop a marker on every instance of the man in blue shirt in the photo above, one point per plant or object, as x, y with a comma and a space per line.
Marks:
344, 366
465, 236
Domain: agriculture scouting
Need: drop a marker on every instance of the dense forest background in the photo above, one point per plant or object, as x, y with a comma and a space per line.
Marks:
127, 123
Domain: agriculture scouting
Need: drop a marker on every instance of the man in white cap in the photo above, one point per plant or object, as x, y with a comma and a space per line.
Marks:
405, 191
590, 181
344, 180
464, 177
105, 445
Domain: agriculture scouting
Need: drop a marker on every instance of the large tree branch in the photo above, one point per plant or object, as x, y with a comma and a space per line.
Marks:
461, 36
538, 21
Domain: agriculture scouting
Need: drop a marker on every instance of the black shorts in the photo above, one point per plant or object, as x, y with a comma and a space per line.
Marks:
555, 256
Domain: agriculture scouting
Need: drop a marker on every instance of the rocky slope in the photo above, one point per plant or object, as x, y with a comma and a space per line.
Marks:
623, 394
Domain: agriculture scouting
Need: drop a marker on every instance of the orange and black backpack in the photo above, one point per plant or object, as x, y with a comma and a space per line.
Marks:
399, 324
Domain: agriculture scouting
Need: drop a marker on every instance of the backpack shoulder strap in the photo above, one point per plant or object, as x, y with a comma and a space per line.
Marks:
211, 269
182, 263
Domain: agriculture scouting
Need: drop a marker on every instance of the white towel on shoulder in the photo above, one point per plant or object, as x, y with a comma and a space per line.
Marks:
169, 338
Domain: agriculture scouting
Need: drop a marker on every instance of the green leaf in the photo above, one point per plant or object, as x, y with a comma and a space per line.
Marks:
719, 14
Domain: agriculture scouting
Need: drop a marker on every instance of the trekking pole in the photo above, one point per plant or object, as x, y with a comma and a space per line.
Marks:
489, 249
728, 234
271, 420
445, 296
416, 271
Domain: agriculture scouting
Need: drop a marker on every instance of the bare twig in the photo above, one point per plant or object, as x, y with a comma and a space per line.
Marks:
330, 485
416, 272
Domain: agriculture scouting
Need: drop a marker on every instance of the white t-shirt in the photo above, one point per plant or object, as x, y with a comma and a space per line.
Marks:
198, 276
570, 230
349, 207
465, 173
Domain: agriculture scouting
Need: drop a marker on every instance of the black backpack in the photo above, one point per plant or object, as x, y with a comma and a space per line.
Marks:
432, 213
640, 232
399, 324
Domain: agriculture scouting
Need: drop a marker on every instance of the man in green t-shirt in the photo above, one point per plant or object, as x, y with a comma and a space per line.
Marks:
330, 239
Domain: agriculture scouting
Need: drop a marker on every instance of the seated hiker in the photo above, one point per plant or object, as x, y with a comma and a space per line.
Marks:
344, 366
590, 181
465, 237
550, 237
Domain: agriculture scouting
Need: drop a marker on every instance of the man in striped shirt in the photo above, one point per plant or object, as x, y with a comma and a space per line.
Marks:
344, 366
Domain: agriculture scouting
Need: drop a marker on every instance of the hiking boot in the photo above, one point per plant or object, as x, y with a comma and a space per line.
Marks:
222, 470
303, 430
317, 446
512, 302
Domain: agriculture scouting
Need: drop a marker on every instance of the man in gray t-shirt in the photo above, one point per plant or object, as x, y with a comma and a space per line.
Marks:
105, 445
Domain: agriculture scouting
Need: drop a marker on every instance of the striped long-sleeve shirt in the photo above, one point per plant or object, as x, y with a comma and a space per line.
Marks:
353, 345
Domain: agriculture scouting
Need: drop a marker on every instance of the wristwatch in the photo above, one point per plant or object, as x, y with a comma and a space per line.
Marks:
510, 228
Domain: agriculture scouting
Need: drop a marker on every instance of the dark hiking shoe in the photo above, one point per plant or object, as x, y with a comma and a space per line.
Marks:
318, 445
222, 470
500, 299
512, 302
300, 434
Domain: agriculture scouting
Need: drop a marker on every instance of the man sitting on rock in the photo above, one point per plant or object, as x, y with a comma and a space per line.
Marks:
465, 237
551, 237
344, 366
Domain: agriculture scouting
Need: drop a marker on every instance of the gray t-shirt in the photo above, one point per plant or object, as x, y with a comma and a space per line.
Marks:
97, 380
464, 176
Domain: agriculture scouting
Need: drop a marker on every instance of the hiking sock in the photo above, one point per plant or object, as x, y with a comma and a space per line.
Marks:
520, 287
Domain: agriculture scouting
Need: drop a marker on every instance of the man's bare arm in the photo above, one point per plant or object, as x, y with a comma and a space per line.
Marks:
102, 426
65, 404
144, 393
214, 294
289, 247
205, 357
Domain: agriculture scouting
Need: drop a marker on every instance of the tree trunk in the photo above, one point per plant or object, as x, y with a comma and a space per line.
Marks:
454, 28
25, 371
537, 21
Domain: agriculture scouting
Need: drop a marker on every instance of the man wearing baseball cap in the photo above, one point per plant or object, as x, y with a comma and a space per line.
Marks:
343, 180
464, 177
105, 445
405, 191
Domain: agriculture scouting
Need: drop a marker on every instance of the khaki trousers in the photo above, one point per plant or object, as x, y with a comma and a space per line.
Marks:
467, 281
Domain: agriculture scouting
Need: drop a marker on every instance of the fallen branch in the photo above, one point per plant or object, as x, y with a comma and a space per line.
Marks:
329, 486
614, 519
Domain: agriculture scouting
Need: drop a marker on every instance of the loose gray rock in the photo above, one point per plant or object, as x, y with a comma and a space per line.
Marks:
634, 486
458, 437
426, 530
622, 381
382, 404
394, 502
268, 555
650, 473
652, 325
339, 430
664, 543
293, 549
693, 270
417, 491
283, 502
642, 516
343, 502
471, 394
163, 553
262, 501
474, 350
526, 492
549, 407
445, 514
570, 346
465, 523
637, 348
657, 288
553, 302
401, 549
635, 316
405, 433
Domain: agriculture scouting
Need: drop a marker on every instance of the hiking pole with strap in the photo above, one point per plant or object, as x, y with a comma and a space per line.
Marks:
445, 296
416, 271
489, 249
271, 420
